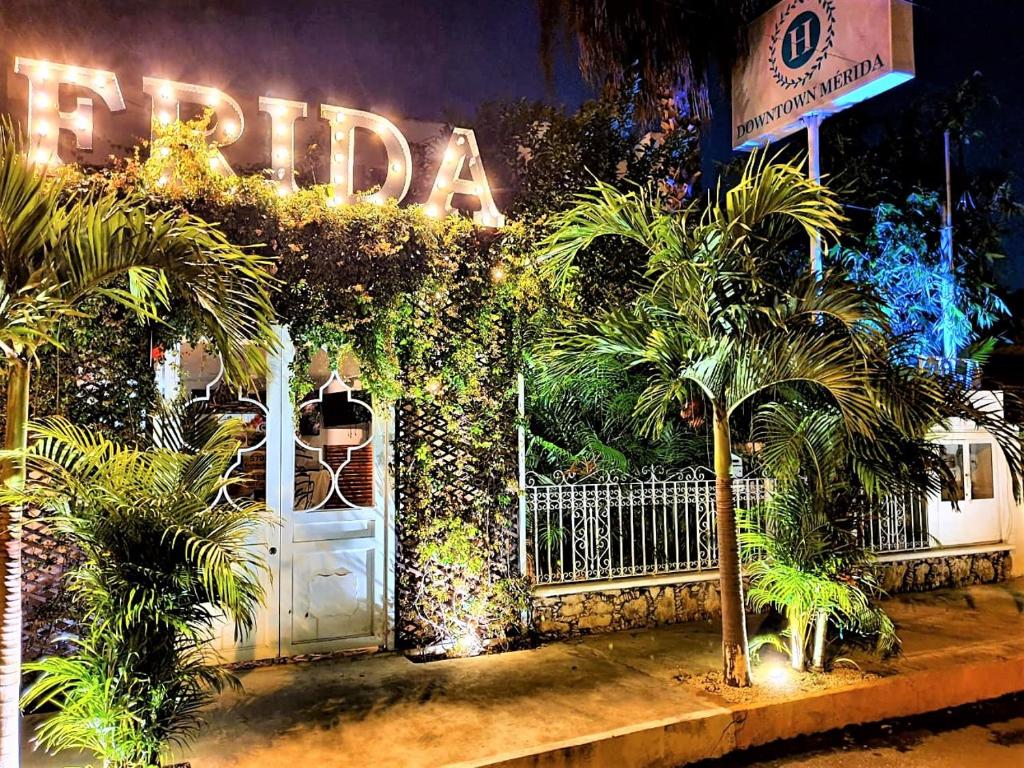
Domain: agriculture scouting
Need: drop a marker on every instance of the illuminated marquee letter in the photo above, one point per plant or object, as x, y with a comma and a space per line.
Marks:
344, 123
45, 120
168, 96
462, 150
283, 114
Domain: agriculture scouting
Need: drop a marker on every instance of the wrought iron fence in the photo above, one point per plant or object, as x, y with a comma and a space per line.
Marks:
897, 525
607, 526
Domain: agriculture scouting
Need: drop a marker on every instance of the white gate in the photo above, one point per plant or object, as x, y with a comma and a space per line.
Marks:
980, 509
323, 468
982, 495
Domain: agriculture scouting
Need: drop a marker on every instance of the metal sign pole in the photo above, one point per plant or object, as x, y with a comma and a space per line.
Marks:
813, 122
949, 346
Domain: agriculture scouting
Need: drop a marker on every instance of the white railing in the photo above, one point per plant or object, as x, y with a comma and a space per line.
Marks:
608, 526
897, 525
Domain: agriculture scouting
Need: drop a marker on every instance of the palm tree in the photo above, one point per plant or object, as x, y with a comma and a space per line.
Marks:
660, 45
59, 246
805, 559
717, 323
164, 556
808, 556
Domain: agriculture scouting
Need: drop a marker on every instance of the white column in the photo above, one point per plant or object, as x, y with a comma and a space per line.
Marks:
521, 430
281, 481
813, 123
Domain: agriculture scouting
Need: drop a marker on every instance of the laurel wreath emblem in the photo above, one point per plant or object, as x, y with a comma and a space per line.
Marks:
829, 9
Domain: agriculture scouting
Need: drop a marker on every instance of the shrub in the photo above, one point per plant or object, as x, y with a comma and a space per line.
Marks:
164, 560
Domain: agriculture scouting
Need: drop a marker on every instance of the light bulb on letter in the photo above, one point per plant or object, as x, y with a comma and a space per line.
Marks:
343, 148
283, 114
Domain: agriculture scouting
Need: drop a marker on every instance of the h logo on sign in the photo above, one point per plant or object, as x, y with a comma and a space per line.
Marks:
797, 40
801, 39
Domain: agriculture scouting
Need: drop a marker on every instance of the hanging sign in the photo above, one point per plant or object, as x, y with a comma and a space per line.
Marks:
817, 57
64, 98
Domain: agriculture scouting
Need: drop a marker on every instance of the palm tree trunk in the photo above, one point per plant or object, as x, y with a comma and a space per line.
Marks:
797, 640
820, 631
735, 657
13, 474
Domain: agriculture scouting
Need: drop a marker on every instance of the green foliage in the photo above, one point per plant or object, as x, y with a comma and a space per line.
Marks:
805, 561
469, 607
713, 326
182, 160
545, 158
453, 544
164, 557
713, 322
892, 170
587, 421
404, 276
925, 301
62, 245
375, 280
65, 242
548, 157
718, 318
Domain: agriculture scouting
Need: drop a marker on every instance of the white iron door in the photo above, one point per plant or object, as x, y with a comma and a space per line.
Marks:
975, 518
198, 373
323, 472
334, 518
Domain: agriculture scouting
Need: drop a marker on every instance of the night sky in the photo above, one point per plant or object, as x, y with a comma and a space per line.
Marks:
439, 59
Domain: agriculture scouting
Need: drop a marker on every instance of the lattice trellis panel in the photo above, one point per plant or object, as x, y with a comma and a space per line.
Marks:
456, 456
460, 481
46, 608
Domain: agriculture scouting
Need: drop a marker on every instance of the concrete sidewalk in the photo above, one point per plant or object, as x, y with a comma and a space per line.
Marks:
606, 700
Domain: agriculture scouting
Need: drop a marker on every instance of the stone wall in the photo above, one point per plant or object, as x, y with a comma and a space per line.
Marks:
924, 573
614, 609
611, 610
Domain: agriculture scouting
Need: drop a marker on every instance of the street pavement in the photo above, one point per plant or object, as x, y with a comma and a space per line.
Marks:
989, 735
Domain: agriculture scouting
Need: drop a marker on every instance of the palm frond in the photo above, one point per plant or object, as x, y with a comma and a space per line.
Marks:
165, 560
58, 247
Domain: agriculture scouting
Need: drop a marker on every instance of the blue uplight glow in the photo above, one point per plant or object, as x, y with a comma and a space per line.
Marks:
882, 84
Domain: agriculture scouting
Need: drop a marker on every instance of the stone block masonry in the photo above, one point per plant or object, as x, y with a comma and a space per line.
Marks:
617, 609
638, 607
923, 573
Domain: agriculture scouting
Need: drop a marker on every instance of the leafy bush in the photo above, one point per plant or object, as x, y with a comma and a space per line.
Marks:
925, 301
468, 606
546, 157
164, 559
807, 563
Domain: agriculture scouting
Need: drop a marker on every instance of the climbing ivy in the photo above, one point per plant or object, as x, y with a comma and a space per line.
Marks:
432, 310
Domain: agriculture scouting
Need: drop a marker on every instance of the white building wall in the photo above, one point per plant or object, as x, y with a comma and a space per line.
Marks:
978, 521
